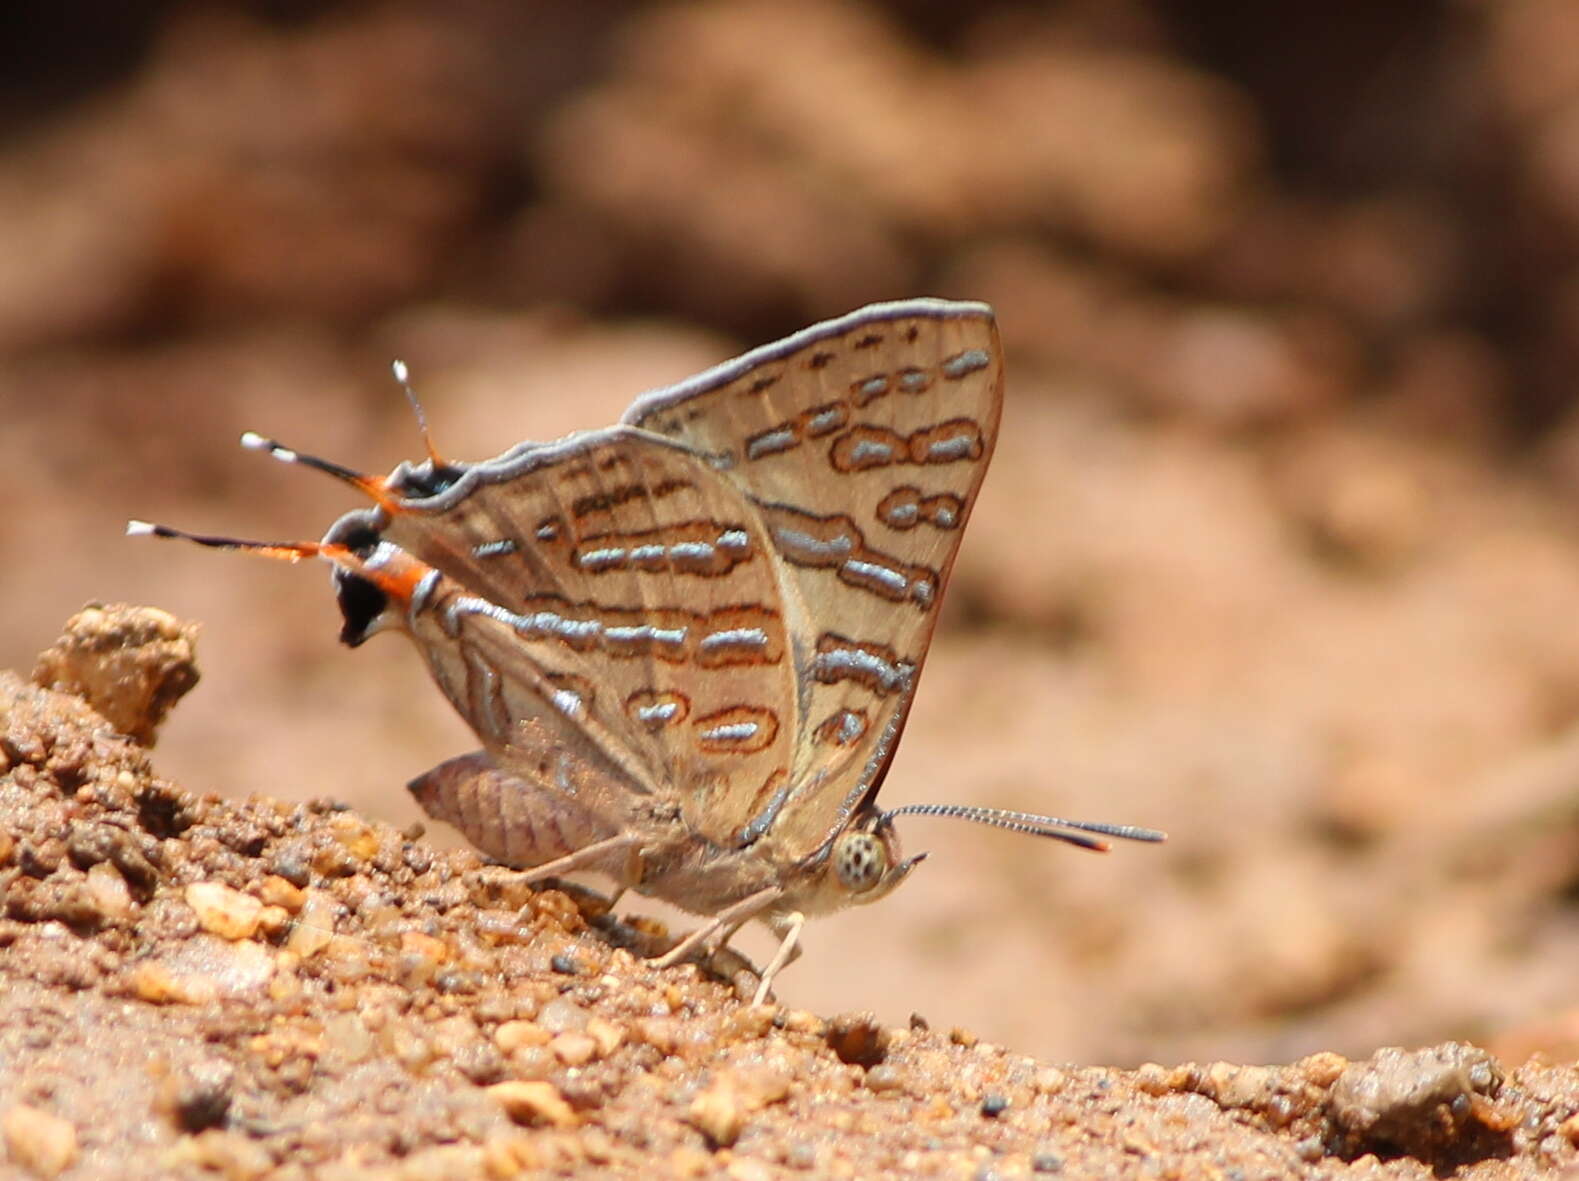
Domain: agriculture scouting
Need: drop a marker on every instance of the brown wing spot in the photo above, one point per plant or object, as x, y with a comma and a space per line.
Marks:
842, 728
820, 360
947, 442
602, 502
668, 487
657, 709
875, 666
912, 333
864, 447
609, 460
612, 499
870, 341
740, 730
766, 382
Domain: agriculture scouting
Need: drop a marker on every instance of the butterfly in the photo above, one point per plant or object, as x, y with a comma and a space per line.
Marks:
689, 642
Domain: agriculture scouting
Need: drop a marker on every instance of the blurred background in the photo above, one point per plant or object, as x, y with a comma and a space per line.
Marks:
1279, 551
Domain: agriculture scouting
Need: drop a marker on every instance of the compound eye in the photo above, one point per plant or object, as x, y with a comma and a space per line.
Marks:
860, 861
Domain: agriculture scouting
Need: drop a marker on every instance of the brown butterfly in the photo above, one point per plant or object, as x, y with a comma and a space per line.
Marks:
689, 642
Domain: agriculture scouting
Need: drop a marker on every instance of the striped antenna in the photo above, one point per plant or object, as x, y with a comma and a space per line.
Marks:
1031, 823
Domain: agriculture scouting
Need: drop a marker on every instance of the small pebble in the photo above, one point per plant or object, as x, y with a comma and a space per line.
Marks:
221, 911
1310, 1149
201, 1097
562, 1015
994, 1104
574, 1049
606, 1034
565, 965
276, 891
109, 891
533, 1102
41, 1143
512, 1035
883, 1077
858, 1039
718, 1114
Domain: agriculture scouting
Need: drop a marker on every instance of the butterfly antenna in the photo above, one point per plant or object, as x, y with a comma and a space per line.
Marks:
403, 376
372, 486
1069, 831
285, 551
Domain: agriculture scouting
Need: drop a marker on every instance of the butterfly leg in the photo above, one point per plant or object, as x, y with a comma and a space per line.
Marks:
788, 928
713, 935
594, 856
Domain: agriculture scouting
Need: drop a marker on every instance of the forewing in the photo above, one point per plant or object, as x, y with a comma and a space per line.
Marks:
613, 596
862, 442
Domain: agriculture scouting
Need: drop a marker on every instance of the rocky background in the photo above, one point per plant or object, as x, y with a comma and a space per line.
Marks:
1279, 551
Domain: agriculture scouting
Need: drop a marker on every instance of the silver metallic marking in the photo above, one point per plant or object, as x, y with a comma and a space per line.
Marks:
648, 553
913, 381
753, 831
796, 541
771, 443
494, 549
692, 551
851, 727
673, 636
921, 591
424, 592
662, 712
866, 449
562, 776
837, 661
944, 518
549, 532
735, 637
873, 386
569, 703
961, 364
827, 420
381, 555
903, 514
955, 447
630, 634
734, 540
601, 559
732, 732
892, 579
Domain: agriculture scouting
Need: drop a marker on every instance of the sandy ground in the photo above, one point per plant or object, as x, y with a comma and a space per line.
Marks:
199, 988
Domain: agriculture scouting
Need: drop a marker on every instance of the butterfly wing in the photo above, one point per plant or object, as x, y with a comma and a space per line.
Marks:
862, 442
614, 598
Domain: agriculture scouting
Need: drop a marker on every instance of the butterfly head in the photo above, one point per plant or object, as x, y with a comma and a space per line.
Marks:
866, 862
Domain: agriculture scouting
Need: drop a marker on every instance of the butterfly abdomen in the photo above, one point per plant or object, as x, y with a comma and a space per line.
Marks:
514, 820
